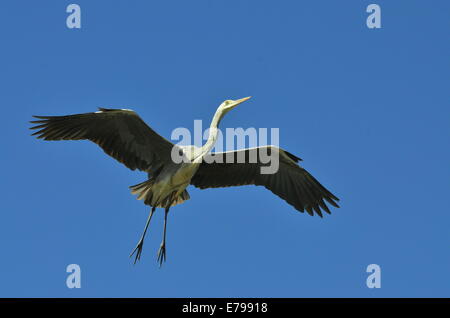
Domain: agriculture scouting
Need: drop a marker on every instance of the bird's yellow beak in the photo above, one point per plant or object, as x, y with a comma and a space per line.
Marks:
238, 101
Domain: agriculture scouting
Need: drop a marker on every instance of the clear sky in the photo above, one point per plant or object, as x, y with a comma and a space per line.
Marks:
367, 110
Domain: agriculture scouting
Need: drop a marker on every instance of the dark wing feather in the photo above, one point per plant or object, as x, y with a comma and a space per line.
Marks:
291, 182
122, 134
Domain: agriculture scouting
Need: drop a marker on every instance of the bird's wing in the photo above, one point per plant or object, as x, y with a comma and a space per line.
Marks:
291, 182
122, 134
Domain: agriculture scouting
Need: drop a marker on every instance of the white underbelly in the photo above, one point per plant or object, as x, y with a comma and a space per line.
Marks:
184, 175
177, 182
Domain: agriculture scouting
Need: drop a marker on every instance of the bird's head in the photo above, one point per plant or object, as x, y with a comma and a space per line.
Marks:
229, 104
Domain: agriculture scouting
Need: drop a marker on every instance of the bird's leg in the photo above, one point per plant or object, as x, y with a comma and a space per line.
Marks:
162, 248
138, 247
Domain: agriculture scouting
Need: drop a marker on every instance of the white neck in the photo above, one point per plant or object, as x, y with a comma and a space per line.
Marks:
213, 131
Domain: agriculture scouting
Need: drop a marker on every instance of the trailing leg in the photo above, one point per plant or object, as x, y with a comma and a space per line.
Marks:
140, 244
162, 248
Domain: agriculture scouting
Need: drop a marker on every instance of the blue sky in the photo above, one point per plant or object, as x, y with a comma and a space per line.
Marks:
366, 109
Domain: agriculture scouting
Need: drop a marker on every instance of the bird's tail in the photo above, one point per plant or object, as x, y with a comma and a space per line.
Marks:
144, 191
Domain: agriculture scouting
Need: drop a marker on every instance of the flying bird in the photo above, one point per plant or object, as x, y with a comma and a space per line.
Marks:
123, 135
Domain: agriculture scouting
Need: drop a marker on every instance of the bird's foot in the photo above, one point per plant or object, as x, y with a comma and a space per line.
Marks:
138, 249
162, 254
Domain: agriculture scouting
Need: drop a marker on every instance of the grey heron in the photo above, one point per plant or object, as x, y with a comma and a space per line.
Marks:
123, 135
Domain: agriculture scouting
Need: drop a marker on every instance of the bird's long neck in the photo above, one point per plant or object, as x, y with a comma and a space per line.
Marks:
213, 132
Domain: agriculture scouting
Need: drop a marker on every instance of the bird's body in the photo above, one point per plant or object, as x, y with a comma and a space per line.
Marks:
166, 189
122, 134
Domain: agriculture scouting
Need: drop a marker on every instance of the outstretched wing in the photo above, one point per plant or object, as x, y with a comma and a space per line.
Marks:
291, 182
121, 133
